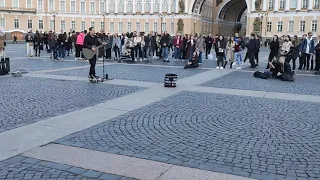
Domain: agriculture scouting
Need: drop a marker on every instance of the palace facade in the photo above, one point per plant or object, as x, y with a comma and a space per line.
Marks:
264, 17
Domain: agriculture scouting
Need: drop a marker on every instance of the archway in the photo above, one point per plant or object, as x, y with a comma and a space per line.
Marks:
228, 15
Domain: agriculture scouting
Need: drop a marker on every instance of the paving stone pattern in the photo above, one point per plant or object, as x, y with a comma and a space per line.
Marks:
251, 137
137, 73
26, 100
244, 80
20, 167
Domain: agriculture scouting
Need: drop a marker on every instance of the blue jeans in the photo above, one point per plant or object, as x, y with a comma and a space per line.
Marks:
62, 52
176, 53
54, 52
200, 58
237, 57
165, 51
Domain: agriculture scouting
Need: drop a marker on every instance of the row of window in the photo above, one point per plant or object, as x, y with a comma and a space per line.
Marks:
302, 26
293, 4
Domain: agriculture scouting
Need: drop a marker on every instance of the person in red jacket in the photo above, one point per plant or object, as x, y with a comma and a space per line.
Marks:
177, 42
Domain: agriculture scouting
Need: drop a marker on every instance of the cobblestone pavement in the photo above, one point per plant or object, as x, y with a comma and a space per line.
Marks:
26, 100
20, 167
245, 80
137, 73
246, 136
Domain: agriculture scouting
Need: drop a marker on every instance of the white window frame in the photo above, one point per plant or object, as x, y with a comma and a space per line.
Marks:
282, 4
102, 25
102, 10
40, 9
30, 4
14, 23
271, 4
92, 10
280, 26
18, 4
64, 8
2, 22
30, 22
120, 27
93, 24
129, 27
269, 26
75, 6
155, 26
156, 7
112, 6
83, 11
111, 27
314, 25
291, 26
316, 4
3, 3
172, 28
130, 8
51, 24
165, 6
53, 6
302, 26
173, 6
40, 20
305, 4
121, 6
293, 4
63, 22
83, 25
73, 25
146, 27
163, 26
138, 6
138, 26
147, 7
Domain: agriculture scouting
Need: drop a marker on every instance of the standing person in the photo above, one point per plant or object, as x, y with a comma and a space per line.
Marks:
90, 41
116, 44
252, 48
201, 45
256, 56
294, 53
306, 50
237, 55
153, 43
230, 52
62, 45
29, 42
79, 44
165, 40
317, 54
137, 47
143, 48
69, 44
37, 41
274, 49
220, 48
15, 39
184, 46
177, 42
109, 41
45, 40
54, 45
208, 41
215, 42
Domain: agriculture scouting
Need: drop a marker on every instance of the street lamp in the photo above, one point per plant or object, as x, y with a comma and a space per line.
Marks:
54, 14
173, 15
162, 16
263, 14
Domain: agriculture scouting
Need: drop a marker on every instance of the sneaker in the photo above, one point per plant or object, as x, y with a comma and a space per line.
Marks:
135, 60
144, 59
221, 67
218, 67
238, 68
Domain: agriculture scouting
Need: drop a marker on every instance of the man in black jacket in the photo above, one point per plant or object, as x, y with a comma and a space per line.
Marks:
91, 42
165, 40
252, 49
208, 42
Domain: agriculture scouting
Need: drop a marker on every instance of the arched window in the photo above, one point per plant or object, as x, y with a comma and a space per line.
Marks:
147, 8
120, 6
138, 6
173, 6
165, 6
156, 6
130, 6
111, 6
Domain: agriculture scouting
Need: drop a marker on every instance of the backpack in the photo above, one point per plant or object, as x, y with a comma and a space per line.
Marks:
287, 77
261, 75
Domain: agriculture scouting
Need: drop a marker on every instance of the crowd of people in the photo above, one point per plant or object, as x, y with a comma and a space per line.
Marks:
139, 46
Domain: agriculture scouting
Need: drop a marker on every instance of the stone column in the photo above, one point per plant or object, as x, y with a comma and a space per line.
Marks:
177, 6
134, 6
169, 6
298, 5
151, 6
107, 2
264, 5
276, 6
253, 5
116, 6
143, 5
310, 5
160, 4
287, 7
125, 4
185, 6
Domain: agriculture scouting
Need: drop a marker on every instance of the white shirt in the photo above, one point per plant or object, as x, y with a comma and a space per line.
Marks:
308, 46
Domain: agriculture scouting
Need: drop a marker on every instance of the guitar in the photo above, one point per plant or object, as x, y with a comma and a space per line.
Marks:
89, 54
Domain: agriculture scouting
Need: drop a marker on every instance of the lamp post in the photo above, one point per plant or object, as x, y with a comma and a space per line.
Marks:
54, 14
263, 14
162, 16
173, 15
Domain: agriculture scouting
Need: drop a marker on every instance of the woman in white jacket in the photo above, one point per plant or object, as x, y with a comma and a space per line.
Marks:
116, 45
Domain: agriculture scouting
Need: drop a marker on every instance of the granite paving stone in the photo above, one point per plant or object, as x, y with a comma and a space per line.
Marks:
244, 80
41, 171
238, 135
137, 73
26, 100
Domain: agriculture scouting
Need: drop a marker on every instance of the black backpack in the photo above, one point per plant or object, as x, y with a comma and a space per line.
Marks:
287, 77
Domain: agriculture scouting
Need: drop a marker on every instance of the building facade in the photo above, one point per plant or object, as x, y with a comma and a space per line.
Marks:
264, 17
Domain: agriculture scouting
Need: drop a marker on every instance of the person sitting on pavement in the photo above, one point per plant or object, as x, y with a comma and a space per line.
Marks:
193, 63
